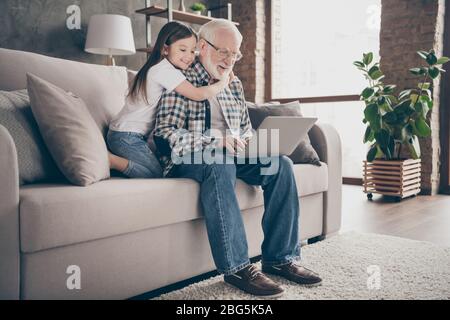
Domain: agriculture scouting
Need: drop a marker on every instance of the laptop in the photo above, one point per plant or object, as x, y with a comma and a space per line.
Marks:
277, 135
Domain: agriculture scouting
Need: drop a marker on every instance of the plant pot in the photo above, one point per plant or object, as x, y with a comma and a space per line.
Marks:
397, 178
198, 13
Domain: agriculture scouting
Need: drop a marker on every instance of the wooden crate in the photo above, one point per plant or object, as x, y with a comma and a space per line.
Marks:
397, 178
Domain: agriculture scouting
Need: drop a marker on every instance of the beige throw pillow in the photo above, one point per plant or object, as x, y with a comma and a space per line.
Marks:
70, 133
35, 162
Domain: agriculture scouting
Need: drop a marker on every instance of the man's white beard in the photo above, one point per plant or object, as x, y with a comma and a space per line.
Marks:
211, 68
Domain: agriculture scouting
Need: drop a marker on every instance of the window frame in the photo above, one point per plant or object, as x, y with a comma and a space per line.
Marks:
319, 99
445, 116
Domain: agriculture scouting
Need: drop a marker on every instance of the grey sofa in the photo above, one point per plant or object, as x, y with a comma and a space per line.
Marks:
127, 236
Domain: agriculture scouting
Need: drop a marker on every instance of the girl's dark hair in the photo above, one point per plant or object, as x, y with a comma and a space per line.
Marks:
170, 32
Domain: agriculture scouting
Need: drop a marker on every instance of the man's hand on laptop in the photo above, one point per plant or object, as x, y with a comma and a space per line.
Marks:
234, 145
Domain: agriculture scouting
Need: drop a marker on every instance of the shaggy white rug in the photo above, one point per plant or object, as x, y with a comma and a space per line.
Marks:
354, 266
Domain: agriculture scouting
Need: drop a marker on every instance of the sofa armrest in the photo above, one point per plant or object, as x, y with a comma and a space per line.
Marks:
327, 143
9, 217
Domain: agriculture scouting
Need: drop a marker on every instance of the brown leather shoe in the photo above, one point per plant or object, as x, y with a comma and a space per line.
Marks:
295, 273
253, 281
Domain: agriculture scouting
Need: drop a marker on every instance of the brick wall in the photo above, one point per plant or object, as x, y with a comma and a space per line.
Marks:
251, 15
406, 27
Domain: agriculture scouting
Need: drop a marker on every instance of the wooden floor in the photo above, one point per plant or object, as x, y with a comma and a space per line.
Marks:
425, 218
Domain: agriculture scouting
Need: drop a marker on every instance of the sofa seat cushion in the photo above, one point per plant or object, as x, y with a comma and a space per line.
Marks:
53, 215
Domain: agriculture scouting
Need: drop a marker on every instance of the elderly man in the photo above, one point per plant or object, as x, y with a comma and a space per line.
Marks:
183, 131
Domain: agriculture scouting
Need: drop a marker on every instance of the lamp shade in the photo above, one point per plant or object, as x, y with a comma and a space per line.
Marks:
110, 34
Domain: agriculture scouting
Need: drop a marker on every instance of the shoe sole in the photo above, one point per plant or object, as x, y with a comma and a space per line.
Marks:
277, 295
307, 285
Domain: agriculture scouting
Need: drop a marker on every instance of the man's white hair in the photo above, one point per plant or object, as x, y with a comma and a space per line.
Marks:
209, 30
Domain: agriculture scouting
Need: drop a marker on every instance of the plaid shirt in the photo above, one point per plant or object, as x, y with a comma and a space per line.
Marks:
181, 123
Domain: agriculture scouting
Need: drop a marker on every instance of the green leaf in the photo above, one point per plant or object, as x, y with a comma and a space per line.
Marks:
389, 88
376, 75
410, 110
412, 127
431, 59
393, 99
372, 153
385, 142
404, 94
414, 147
433, 72
422, 54
359, 64
376, 124
390, 118
386, 107
423, 85
400, 108
423, 128
404, 108
387, 151
401, 118
367, 58
418, 71
371, 112
426, 99
368, 135
418, 107
391, 146
373, 69
400, 133
425, 108
367, 92
443, 60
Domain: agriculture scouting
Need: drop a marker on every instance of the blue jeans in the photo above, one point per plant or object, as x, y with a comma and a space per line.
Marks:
142, 163
223, 217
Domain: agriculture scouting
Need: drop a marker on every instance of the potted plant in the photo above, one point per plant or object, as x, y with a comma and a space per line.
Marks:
396, 122
198, 7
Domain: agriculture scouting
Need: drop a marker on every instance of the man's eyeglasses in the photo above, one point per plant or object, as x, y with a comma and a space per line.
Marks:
225, 53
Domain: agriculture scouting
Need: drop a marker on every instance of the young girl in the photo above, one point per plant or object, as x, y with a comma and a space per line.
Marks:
127, 137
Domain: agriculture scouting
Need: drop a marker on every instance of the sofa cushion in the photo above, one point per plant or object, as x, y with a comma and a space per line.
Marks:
304, 153
102, 88
35, 162
57, 215
69, 132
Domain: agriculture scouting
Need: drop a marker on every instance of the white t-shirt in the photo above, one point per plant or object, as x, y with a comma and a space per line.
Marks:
138, 116
218, 121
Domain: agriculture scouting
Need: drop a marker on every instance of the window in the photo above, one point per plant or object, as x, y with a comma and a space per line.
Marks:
314, 44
